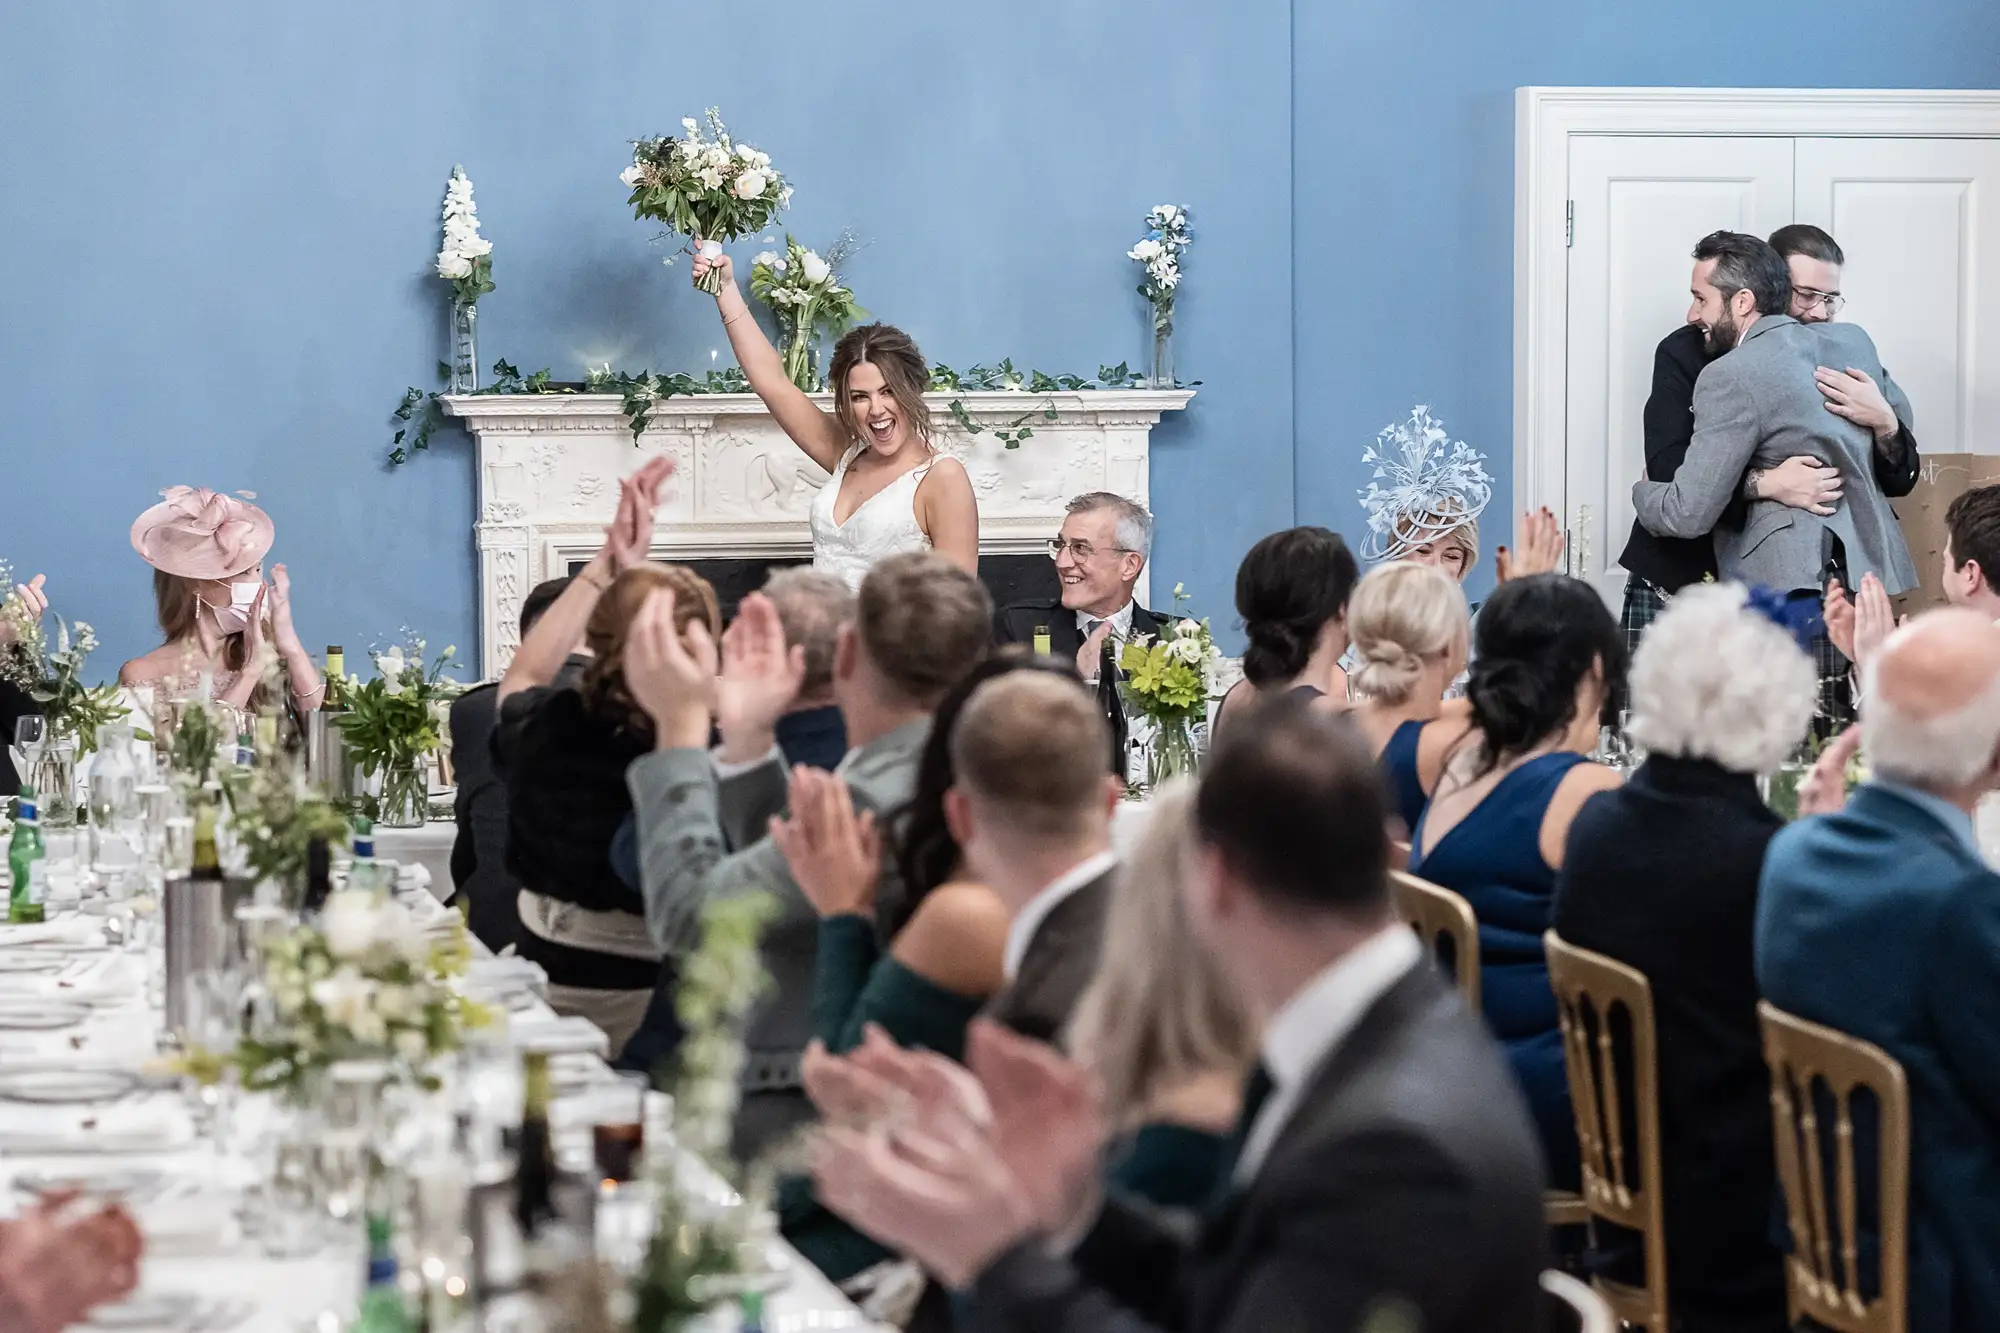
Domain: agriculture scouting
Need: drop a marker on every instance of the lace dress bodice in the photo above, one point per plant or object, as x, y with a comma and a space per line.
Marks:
884, 524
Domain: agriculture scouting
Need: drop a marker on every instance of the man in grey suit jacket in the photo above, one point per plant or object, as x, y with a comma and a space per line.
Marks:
1762, 404
921, 624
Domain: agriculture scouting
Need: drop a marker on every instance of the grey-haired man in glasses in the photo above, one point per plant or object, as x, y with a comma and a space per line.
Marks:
1099, 554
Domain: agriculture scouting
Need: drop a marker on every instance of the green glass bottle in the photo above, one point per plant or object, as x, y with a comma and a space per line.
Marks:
383, 1306
24, 862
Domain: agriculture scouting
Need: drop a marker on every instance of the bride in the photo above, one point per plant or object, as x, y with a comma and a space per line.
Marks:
891, 490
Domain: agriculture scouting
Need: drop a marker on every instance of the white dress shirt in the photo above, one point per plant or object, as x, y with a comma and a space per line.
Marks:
1121, 621
1313, 1022
1021, 930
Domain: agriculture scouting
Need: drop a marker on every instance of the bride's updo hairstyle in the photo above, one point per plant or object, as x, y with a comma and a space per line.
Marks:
1535, 641
1403, 617
1289, 586
904, 370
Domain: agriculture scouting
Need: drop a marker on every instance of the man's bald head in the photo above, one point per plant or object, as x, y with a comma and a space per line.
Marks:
1932, 715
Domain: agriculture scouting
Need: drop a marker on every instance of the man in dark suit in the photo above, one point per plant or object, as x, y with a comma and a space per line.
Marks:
1031, 811
479, 852
1662, 565
1099, 554
1882, 921
1384, 1170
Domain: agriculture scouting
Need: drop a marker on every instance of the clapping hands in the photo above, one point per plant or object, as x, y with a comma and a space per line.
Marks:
55, 1269
835, 854
761, 676
1859, 628
25, 607
671, 674
1539, 548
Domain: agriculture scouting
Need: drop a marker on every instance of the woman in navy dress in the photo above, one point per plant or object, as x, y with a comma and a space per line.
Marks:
1547, 655
1410, 632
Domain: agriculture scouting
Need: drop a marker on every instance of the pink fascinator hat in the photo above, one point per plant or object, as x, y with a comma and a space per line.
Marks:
199, 534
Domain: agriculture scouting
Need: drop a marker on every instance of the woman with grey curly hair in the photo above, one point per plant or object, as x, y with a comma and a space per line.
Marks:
1661, 874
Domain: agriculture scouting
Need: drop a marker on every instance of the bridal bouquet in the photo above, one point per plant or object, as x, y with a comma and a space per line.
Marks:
804, 291
365, 981
1167, 682
394, 723
705, 187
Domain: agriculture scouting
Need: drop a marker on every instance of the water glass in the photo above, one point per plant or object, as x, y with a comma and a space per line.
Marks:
30, 733
178, 853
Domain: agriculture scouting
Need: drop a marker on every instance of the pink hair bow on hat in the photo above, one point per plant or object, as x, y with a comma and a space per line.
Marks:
200, 534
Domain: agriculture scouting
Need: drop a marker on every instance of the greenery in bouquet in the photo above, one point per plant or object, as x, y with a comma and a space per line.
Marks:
804, 291
466, 258
704, 186
53, 677
365, 980
1158, 253
702, 1250
395, 721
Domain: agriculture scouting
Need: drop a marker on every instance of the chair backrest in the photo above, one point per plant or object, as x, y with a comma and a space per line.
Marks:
1399, 854
1574, 1308
1621, 1181
1805, 1059
1433, 911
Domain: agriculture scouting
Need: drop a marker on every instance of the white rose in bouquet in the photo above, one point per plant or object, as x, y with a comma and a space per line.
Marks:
769, 259
816, 269
750, 185
348, 921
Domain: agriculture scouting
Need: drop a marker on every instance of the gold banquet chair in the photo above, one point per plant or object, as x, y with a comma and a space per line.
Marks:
1589, 989
1435, 912
1819, 1284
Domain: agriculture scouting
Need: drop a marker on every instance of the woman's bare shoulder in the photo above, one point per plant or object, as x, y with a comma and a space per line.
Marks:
956, 938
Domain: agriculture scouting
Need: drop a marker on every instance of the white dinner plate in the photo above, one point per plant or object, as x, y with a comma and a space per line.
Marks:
114, 1183
71, 1087
26, 1014
16, 961
165, 1310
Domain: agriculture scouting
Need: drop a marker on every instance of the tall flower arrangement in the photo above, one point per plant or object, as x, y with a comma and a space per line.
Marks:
393, 724
466, 262
1158, 254
1168, 681
704, 186
805, 292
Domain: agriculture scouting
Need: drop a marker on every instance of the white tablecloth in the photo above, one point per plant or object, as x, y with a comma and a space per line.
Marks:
288, 1293
428, 846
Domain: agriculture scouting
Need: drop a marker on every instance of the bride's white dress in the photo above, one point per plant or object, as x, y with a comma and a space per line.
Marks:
884, 524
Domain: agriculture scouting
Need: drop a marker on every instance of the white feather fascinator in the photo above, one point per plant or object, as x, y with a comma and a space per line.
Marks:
1426, 485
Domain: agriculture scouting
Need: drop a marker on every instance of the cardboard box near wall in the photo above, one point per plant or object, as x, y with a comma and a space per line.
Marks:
1943, 479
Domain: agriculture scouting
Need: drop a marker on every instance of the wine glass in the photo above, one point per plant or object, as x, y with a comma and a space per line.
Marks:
31, 732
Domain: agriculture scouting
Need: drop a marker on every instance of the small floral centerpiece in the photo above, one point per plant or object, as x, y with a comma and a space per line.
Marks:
53, 677
704, 186
805, 292
466, 262
705, 1246
393, 725
275, 818
365, 981
1168, 682
1158, 253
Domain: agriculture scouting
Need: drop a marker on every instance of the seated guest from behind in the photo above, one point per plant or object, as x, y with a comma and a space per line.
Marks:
1165, 1032
1292, 590
479, 851
947, 938
1382, 1172
1661, 874
1099, 553
921, 624
1411, 636
812, 606
1882, 921
1546, 655
1971, 562
563, 748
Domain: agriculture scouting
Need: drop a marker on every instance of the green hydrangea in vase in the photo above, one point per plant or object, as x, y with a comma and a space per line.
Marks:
392, 727
1167, 683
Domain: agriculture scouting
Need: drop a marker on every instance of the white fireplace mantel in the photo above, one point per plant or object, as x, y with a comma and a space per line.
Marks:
549, 466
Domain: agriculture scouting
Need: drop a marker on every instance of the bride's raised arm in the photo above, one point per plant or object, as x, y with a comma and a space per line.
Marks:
813, 430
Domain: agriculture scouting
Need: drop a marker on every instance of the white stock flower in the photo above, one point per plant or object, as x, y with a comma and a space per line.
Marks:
1146, 251
750, 185
687, 123
816, 269
710, 177
348, 921
453, 265
630, 176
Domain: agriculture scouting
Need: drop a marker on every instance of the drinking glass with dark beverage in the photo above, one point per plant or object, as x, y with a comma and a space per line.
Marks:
618, 1126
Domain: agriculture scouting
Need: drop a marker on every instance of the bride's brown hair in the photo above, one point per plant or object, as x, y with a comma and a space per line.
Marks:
904, 370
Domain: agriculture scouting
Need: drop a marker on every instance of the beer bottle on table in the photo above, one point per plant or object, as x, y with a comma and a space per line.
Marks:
26, 864
335, 677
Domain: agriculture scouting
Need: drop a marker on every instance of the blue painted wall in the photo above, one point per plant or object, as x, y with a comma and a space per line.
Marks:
218, 221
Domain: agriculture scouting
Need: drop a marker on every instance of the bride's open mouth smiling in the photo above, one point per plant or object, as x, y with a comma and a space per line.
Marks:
881, 429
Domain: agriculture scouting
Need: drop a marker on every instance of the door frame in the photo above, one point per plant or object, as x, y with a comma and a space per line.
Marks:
1544, 120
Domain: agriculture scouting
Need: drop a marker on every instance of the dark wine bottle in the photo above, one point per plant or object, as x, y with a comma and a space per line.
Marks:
1112, 706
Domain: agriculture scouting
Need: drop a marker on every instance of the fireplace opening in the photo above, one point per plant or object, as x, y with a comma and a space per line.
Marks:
1009, 578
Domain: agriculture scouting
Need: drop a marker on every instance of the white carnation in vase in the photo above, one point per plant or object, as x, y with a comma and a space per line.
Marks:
817, 270
750, 185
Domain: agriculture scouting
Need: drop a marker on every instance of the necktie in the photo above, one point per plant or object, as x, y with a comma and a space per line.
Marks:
1255, 1093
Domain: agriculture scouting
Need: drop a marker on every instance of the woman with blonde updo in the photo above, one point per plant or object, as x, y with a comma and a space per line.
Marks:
1410, 631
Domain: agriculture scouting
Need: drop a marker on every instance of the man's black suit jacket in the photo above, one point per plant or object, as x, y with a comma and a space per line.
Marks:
1057, 967
1407, 1175
1018, 622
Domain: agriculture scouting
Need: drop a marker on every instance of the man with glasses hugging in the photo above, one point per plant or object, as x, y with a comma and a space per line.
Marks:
1099, 554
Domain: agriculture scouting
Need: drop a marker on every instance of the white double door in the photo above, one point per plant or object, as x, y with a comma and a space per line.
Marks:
1918, 219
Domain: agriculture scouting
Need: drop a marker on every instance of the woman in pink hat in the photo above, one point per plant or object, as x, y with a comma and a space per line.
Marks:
207, 552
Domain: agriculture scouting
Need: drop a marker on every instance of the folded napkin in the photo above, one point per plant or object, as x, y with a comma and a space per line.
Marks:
154, 1123
559, 1036
77, 931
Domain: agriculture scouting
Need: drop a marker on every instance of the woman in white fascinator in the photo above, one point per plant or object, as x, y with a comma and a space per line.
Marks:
216, 611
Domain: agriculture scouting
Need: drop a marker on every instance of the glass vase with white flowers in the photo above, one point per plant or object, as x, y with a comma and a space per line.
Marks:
1158, 252
1168, 681
804, 291
466, 262
704, 186
392, 726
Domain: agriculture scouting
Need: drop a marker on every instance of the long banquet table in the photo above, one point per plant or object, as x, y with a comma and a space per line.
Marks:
216, 1262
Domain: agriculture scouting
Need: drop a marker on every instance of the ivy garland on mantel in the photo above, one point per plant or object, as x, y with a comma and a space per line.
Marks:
419, 413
